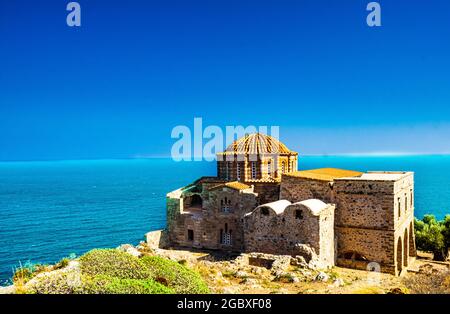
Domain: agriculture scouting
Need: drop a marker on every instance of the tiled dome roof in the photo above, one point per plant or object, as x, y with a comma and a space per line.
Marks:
258, 143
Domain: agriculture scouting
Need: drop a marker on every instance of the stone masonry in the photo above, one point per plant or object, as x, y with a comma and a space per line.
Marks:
325, 216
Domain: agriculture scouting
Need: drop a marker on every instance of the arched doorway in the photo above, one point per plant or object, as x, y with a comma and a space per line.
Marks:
196, 201
412, 242
399, 255
405, 248
225, 236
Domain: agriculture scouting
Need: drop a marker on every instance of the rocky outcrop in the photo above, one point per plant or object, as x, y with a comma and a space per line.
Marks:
8, 289
130, 249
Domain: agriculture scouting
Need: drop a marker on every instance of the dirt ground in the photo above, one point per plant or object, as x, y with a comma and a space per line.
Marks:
228, 274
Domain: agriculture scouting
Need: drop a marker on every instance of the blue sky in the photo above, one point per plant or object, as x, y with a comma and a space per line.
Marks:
116, 86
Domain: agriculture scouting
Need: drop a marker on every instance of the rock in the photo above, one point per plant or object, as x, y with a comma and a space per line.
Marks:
397, 291
128, 248
313, 264
339, 282
322, 277
278, 273
8, 289
250, 281
230, 290
299, 261
241, 274
305, 250
241, 260
256, 270
281, 262
295, 279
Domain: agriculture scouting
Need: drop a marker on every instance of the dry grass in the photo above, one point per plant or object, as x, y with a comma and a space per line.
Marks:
429, 283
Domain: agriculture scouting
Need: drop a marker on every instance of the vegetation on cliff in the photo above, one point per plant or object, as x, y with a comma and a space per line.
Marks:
433, 236
110, 271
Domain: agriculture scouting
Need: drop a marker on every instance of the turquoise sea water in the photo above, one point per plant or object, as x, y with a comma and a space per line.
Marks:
49, 210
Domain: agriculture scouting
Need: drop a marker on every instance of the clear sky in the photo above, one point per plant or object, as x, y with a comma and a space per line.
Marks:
116, 86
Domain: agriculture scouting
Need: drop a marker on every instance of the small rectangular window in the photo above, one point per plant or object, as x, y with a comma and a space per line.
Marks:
411, 197
253, 170
406, 203
190, 235
298, 214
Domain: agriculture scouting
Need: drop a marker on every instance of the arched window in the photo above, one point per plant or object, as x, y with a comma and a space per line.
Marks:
238, 171
298, 214
399, 207
253, 164
225, 205
269, 168
283, 167
195, 201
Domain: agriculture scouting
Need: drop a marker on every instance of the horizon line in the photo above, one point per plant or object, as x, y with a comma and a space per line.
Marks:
143, 157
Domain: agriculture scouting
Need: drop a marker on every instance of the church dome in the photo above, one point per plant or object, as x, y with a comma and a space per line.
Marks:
258, 143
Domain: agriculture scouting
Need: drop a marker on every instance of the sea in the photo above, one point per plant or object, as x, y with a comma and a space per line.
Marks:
54, 209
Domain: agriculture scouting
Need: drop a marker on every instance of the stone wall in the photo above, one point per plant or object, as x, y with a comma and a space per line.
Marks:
158, 239
297, 189
267, 191
217, 224
364, 204
374, 222
372, 219
266, 231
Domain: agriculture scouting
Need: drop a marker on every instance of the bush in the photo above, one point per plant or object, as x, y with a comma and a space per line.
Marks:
175, 275
57, 283
113, 263
110, 271
62, 263
111, 285
424, 283
433, 236
25, 272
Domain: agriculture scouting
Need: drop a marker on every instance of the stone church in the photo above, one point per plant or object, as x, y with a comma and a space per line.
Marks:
261, 202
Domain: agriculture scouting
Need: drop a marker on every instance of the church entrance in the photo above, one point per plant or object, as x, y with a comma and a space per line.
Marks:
225, 236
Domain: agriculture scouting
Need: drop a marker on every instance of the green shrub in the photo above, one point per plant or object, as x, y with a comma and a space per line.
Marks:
113, 263
26, 271
111, 285
110, 271
176, 276
433, 236
285, 277
62, 263
57, 283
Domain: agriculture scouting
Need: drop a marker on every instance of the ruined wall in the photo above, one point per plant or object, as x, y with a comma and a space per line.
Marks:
205, 227
297, 189
267, 232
